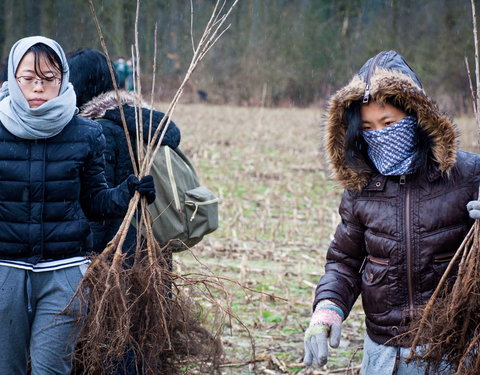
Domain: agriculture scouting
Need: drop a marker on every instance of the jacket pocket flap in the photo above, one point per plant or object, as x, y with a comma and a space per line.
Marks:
374, 273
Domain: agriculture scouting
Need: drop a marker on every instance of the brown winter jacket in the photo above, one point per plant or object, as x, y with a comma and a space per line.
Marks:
397, 233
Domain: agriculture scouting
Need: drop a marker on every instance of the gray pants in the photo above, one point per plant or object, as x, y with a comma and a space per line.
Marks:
29, 324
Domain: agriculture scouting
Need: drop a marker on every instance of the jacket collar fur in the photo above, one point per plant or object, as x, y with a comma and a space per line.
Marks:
390, 78
97, 107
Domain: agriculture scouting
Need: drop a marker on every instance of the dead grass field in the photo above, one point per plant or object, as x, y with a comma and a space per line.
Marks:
278, 213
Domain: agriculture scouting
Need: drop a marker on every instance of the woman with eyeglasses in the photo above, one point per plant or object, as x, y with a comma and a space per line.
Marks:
51, 180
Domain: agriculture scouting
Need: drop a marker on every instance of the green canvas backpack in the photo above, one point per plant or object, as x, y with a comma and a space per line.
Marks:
183, 211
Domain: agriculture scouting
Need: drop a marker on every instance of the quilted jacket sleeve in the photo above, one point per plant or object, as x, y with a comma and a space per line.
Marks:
172, 135
118, 165
342, 278
97, 200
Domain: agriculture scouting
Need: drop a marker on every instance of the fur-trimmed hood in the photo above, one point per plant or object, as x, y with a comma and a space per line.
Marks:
97, 107
387, 76
105, 106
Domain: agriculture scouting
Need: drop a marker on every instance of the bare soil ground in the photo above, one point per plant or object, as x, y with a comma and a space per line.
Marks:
278, 213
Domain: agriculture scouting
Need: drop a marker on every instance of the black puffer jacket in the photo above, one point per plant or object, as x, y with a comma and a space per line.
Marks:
105, 109
397, 233
49, 187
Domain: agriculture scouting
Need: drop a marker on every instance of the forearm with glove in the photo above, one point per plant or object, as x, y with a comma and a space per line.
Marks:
473, 208
325, 327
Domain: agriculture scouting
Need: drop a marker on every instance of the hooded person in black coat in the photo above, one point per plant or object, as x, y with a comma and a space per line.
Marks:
97, 100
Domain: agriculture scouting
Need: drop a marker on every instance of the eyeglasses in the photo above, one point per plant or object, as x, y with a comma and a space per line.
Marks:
32, 81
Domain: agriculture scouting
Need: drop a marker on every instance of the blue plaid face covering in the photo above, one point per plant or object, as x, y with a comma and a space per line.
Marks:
392, 149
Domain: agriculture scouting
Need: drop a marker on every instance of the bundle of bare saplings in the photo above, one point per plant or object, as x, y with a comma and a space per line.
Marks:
140, 311
447, 334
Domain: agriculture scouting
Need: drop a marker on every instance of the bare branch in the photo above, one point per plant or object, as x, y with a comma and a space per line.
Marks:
213, 43
115, 86
135, 90
477, 67
206, 41
138, 96
154, 71
472, 91
191, 26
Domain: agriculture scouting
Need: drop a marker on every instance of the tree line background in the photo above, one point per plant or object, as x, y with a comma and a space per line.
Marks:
277, 52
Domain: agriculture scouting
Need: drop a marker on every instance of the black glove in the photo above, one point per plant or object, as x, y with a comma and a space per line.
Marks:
145, 187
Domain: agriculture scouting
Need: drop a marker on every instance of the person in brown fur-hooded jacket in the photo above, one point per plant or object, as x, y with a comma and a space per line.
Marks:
403, 211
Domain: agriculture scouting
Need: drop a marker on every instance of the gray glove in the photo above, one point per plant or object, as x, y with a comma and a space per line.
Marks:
325, 326
473, 208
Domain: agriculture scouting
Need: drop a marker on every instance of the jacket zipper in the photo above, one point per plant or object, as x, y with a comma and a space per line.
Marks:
408, 244
198, 204
371, 69
42, 207
171, 177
